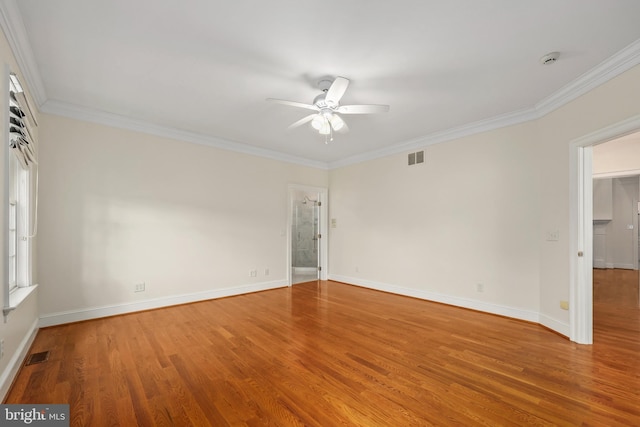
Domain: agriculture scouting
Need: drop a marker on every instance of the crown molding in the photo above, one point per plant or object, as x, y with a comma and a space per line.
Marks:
617, 64
117, 121
492, 123
16, 34
613, 66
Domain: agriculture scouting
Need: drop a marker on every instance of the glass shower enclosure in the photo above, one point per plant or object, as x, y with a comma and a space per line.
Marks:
305, 241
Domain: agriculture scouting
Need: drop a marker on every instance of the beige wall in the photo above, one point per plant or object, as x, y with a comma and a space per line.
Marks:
478, 211
604, 106
467, 216
621, 156
120, 207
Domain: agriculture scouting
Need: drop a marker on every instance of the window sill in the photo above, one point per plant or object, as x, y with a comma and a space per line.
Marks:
17, 296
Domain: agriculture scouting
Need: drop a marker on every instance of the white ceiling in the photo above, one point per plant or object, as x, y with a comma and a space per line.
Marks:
206, 67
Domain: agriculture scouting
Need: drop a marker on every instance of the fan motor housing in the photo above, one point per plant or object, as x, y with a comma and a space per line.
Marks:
324, 84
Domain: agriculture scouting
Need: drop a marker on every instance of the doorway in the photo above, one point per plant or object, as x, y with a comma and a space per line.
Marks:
307, 248
581, 225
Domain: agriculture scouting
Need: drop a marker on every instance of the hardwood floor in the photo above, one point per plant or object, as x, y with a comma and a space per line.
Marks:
327, 354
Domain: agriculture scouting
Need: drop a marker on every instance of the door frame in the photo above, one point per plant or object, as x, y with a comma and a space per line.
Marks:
581, 225
323, 227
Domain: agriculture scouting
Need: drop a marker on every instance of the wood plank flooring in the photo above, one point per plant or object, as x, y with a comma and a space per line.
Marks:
330, 354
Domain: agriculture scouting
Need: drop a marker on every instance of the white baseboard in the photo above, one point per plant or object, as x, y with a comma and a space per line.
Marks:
626, 266
53, 319
302, 270
611, 265
15, 363
556, 326
515, 313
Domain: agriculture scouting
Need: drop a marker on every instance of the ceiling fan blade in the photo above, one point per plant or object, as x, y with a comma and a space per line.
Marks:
294, 104
302, 121
362, 109
337, 89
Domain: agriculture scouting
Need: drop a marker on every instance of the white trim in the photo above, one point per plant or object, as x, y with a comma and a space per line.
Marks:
121, 122
625, 266
502, 310
16, 34
599, 263
6, 287
302, 270
555, 325
617, 174
613, 66
17, 296
59, 318
609, 133
492, 123
581, 225
10, 372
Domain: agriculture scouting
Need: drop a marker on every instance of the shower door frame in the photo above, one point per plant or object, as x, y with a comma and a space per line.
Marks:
323, 228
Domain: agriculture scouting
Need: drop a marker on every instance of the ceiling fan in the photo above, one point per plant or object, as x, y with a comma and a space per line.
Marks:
326, 118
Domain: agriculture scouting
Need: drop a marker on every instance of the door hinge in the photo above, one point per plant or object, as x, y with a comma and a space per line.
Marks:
580, 253
319, 203
319, 236
319, 268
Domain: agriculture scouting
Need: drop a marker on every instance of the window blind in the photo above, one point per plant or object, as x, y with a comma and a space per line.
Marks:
21, 125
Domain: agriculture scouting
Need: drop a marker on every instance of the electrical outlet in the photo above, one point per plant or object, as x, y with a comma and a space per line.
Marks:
253, 273
266, 271
564, 305
139, 287
1, 348
480, 287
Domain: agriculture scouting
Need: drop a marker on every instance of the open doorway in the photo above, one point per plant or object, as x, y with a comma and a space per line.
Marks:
616, 192
581, 225
616, 195
307, 246
305, 241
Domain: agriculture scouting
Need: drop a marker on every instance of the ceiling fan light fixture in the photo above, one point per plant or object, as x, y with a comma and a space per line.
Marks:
327, 117
336, 122
318, 122
325, 129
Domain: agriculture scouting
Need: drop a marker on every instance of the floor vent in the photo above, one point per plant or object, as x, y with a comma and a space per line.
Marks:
34, 358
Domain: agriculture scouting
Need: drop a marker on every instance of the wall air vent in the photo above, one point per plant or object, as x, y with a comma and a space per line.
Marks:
415, 158
412, 159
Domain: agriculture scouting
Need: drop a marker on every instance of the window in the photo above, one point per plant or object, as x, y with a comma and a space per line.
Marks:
20, 223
